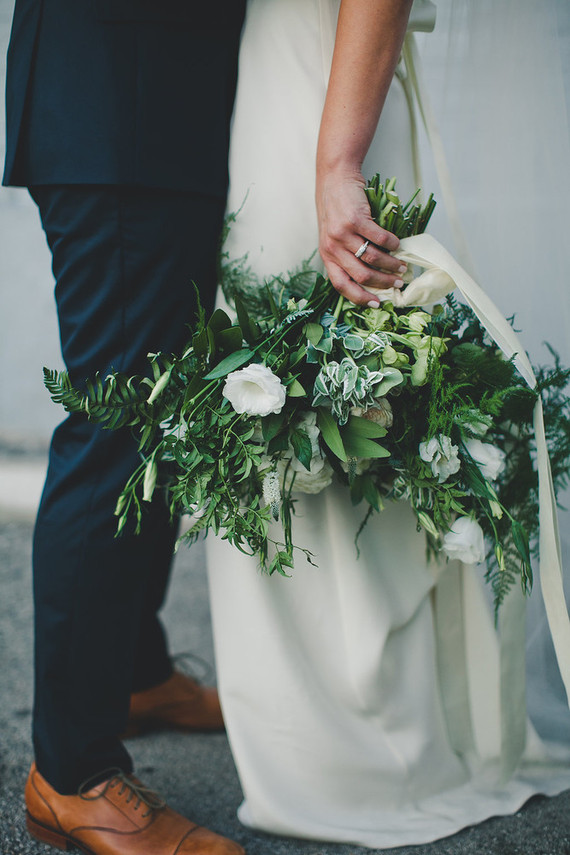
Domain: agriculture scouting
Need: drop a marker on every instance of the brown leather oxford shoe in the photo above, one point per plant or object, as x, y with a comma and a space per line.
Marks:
180, 703
116, 817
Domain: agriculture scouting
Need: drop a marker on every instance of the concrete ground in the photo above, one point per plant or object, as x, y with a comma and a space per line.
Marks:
195, 774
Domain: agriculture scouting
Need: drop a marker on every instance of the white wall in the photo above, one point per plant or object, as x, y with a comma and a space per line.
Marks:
28, 325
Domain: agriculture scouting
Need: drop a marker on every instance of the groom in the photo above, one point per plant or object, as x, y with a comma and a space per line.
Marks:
117, 122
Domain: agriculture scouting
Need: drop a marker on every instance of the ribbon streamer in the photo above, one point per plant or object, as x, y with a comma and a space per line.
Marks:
444, 271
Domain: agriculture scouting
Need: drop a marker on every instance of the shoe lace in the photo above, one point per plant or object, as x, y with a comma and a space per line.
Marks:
134, 790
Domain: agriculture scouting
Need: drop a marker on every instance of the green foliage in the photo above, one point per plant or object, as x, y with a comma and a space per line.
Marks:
364, 387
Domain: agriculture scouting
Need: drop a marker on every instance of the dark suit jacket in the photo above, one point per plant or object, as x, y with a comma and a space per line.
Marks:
121, 92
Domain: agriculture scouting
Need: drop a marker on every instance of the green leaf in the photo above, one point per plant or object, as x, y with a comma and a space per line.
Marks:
357, 426
229, 340
353, 342
371, 493
331, 434
325, 345
230, 363
149, 483
360, 446
219, 321
392, 377
295, 390
520, 538
159, 386
278, 443
272, 424
272, 303
195, 385
356, 490
247, 325
302, 447
314, 333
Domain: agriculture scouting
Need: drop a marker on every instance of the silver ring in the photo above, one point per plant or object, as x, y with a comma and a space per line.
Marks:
362, 249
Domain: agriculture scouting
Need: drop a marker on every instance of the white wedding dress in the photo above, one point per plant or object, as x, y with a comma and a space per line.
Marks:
362, 697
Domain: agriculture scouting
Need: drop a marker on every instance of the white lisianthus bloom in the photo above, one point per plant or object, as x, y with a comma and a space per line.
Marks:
255, 390
477, 423
465, 541
442, 455
489, 458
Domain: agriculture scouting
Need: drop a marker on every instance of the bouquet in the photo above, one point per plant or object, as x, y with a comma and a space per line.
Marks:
303, 387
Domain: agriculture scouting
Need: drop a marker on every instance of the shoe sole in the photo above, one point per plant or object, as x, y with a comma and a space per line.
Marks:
48, 835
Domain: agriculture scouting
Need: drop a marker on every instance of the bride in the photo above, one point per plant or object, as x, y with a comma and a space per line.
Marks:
362, 697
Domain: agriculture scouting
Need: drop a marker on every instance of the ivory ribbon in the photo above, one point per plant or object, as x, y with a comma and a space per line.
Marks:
443, 271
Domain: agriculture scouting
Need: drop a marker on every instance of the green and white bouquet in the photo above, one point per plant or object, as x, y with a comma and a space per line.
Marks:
303, 388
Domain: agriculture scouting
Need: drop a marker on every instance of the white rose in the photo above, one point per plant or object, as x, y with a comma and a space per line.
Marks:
442, 455
313, 481
255, 390
320, 474
465, 541
489, 458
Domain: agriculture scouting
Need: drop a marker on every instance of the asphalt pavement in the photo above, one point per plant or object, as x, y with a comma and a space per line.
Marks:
195, 773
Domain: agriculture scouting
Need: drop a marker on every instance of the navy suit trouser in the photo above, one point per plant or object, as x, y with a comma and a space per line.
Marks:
124, 261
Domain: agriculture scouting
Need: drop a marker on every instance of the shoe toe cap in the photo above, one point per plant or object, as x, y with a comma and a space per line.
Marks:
203, 842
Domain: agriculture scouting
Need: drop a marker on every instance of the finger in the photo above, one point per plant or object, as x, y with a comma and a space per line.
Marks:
379, 259
377, 235
363, 274
342, 282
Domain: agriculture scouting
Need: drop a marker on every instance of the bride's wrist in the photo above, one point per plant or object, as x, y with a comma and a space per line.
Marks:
337, 169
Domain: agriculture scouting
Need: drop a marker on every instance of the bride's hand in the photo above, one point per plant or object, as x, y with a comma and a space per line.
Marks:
368, 42
345, 224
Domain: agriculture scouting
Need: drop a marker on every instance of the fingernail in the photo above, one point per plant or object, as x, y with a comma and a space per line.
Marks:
398, 283
403, 268
373, 304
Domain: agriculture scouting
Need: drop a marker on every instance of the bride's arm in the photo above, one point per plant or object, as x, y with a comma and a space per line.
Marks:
368, 43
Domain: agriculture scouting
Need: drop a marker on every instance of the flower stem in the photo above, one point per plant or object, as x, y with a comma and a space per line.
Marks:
337, 311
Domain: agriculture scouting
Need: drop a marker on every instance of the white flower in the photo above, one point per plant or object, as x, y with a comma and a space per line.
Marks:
320, 473
489, 458
272, 492
255, 390
442, 455
465, 541
477, 423
319, 476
